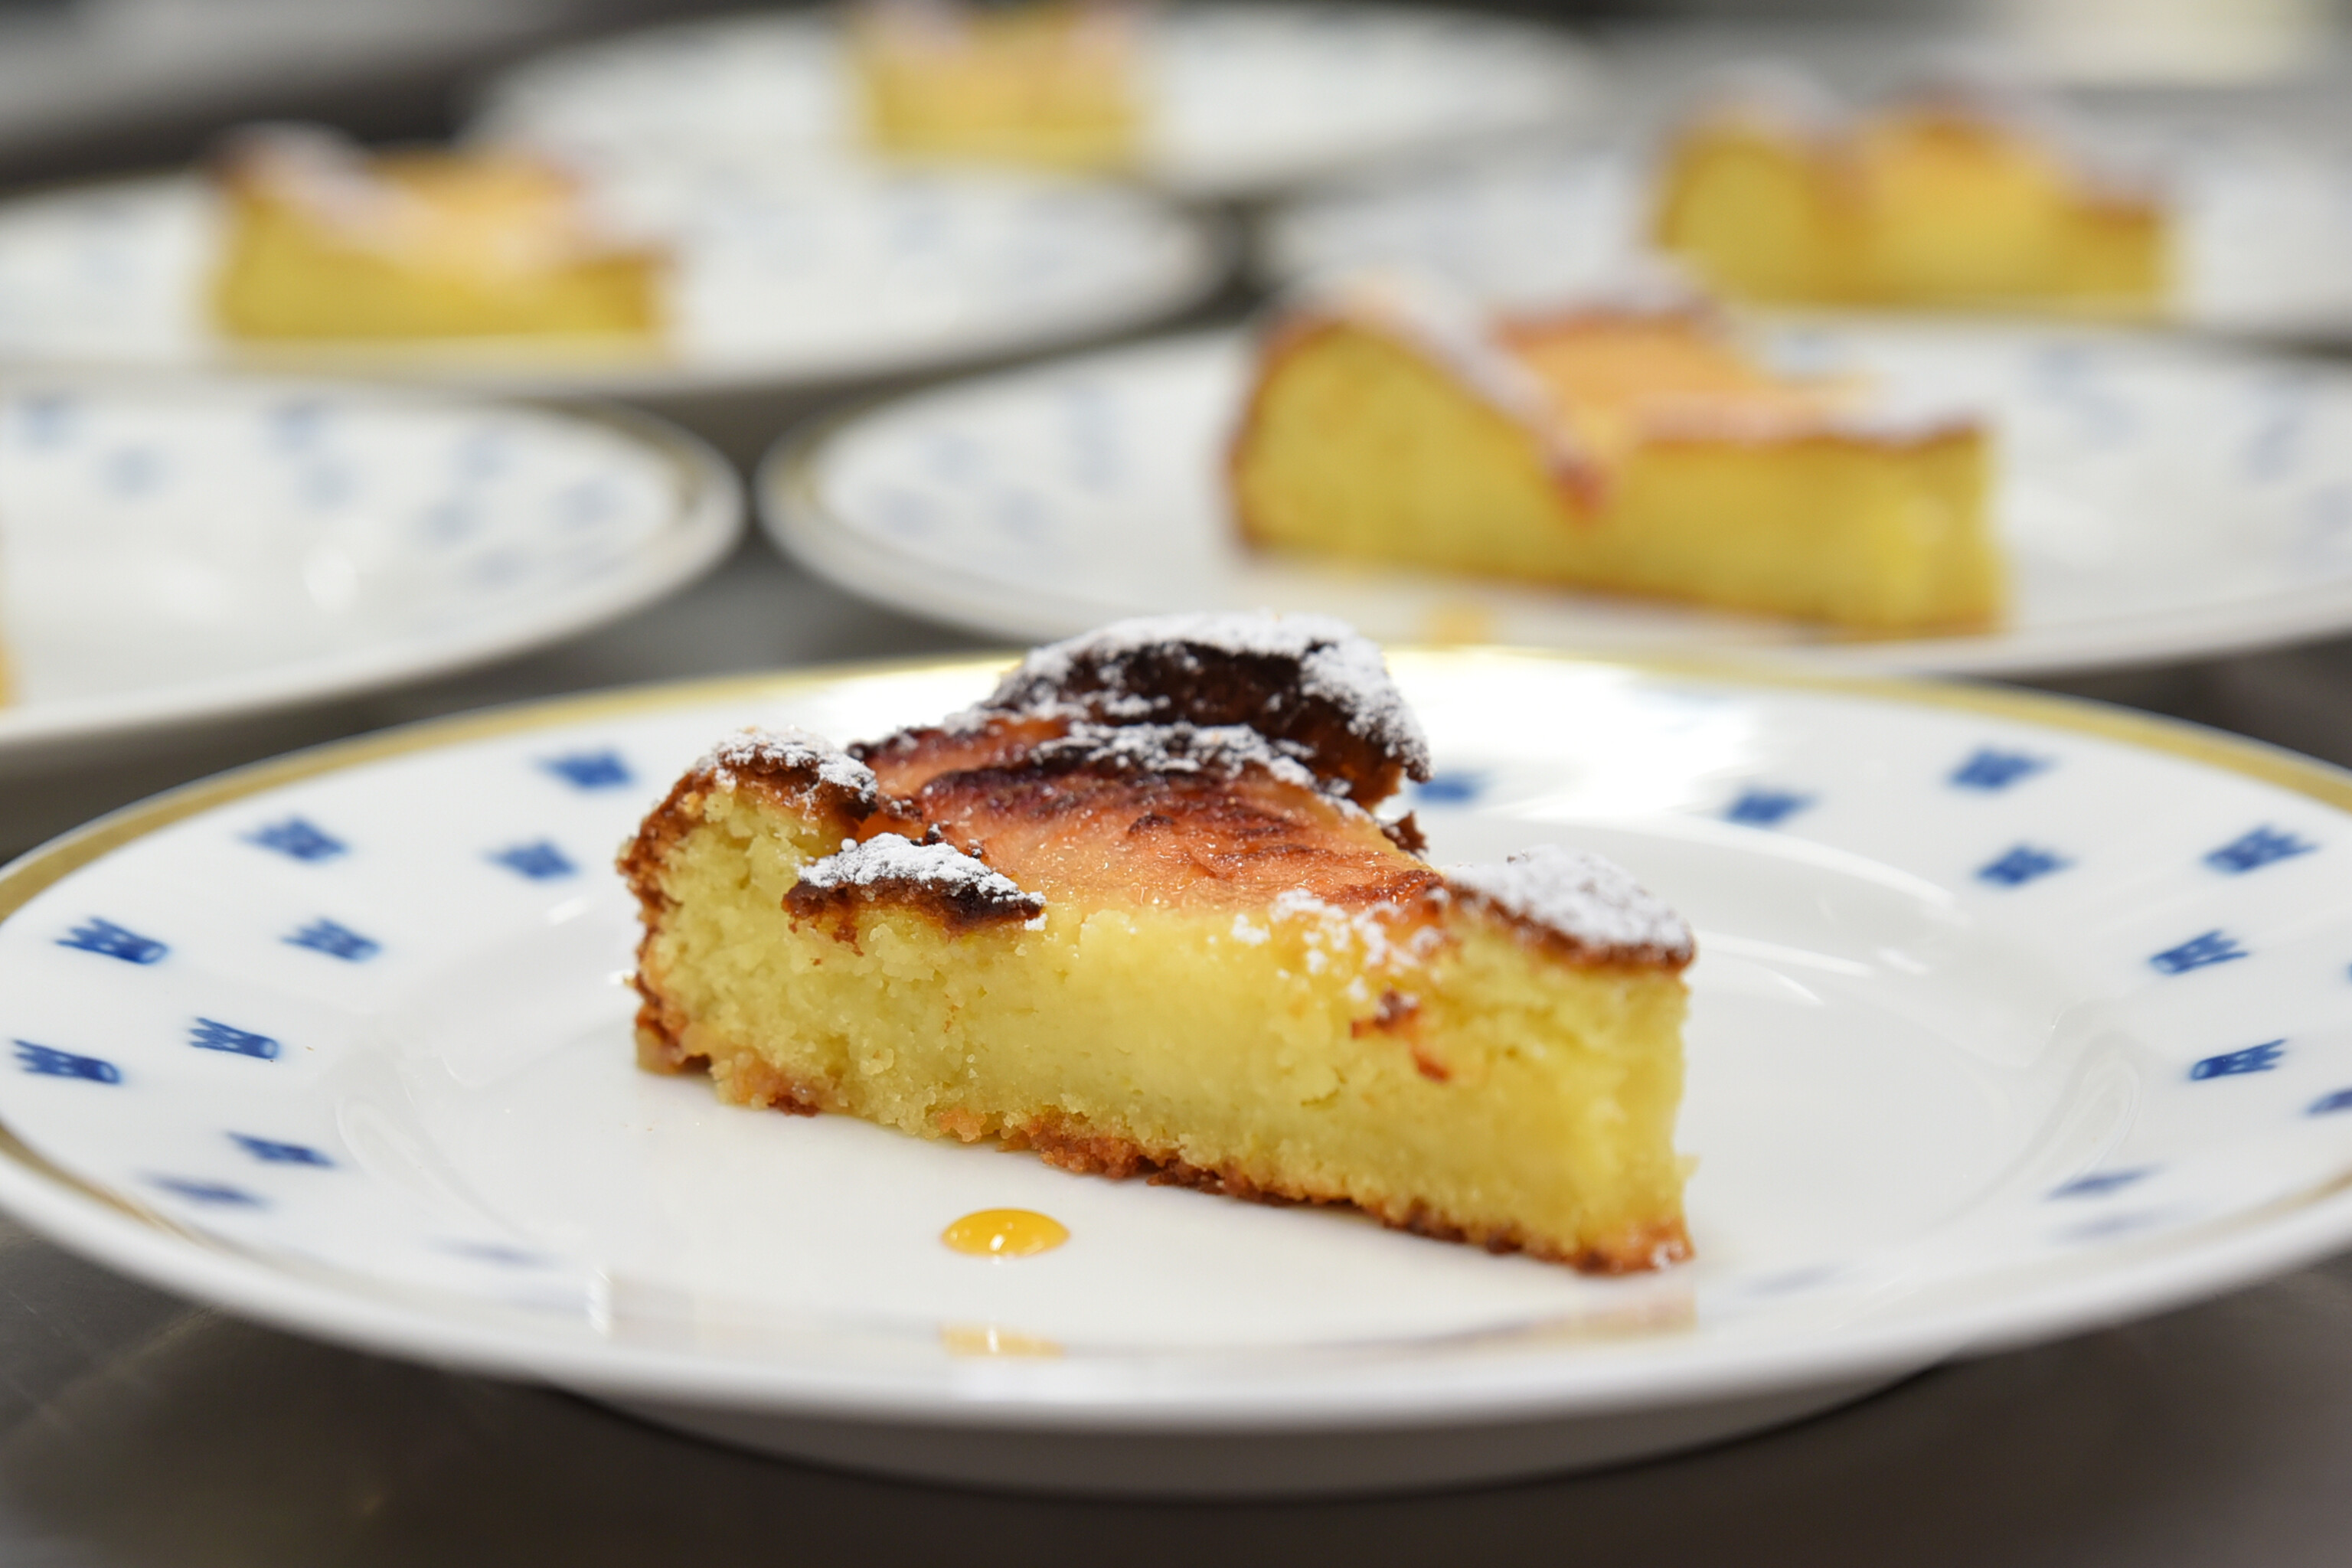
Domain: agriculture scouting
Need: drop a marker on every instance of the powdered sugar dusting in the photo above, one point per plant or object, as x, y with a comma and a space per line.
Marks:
1366, 929
1336, 664
757, 750
1224, 748
892, 860
1591, 900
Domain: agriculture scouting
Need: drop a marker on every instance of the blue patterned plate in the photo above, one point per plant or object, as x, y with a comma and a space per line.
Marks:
176, 551
2012, 1016
2156, 500
782, 277
1242, 99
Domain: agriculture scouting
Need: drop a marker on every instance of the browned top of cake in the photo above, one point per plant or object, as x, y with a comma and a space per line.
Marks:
1314, 689
1128, 769
803, 771
1153, 814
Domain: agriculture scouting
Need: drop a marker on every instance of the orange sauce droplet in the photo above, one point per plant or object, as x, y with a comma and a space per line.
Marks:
1005, 1233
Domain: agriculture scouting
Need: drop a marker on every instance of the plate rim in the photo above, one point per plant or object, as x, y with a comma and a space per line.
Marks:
2137, 1279
709, 515
787, 502
1215, 243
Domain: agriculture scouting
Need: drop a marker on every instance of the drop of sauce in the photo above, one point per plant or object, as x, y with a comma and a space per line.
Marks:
1005, 1233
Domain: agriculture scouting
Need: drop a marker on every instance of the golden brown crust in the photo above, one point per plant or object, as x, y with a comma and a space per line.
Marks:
1101, 829
1069, 1143
955, 908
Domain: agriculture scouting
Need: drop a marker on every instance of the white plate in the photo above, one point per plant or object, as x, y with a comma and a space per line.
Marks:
784, 275
1245, 99
2262, 229
1976, 1058
2157, 500
179, 551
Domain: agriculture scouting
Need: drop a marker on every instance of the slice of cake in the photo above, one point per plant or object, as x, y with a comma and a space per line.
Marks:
1135, 912
1630, 446
1945, 198
1049, 81
324, 241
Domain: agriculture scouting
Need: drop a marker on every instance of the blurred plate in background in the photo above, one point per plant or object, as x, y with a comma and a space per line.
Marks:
2262, 229
2157, 500
783, 277
1243, 99
180, 551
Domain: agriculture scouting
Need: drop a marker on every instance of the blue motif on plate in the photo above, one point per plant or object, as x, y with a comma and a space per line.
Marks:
335, 940
49, 418
2113, 1225
1991, 770
295, 424
208, 1192
2022, 865
2198, 953
1450, 789
279, 1154
2101, 1182
2229, 1064
2271, 451
541, 862
2329, 1104
1766, 807
1791, 1281
2252, 851
496, 1252
133, 471
111, 941
211, 1035
591, 770
53, 1063
299, 840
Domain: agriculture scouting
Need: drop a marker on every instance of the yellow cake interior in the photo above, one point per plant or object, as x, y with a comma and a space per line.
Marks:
1051, 82
1647, 455
1925, 204
1241, 984
326, 243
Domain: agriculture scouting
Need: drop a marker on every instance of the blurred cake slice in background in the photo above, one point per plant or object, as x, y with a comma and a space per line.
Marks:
323, 240
1626, 443
1048, 82
1957, 195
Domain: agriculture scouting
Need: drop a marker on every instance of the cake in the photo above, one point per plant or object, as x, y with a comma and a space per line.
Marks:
1947, 198
1049, 81
1629, 445
1141, 911
325, 241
